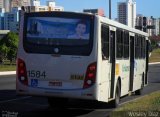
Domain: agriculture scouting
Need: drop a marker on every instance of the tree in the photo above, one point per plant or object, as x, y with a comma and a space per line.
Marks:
8, 46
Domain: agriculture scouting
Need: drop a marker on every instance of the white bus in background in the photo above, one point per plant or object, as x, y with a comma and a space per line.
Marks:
108, 61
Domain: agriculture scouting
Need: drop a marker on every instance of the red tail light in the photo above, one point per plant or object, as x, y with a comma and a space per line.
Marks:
22, 72
90, 75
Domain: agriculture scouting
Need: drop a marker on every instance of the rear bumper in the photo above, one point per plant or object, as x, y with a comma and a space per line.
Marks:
88, 93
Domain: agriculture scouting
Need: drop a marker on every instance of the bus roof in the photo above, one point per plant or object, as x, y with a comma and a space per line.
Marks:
120, 25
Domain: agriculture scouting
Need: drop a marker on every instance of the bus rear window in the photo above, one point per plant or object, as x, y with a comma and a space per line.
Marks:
57, 32
61, 31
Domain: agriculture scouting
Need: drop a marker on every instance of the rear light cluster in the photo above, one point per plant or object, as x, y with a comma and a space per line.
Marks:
90, 75
22, 72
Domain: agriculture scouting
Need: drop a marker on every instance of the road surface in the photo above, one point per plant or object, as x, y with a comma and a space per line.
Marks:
28, 106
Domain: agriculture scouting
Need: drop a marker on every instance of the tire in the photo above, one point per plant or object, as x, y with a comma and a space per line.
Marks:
57, 102
115, 103
138, 92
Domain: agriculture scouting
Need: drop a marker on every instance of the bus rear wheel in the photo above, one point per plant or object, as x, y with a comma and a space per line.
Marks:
138, 92
116, 101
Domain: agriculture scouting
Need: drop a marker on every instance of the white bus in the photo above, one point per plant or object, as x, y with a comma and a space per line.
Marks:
67, 55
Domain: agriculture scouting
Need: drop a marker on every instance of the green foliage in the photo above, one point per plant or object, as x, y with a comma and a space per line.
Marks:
154, 43
8, 46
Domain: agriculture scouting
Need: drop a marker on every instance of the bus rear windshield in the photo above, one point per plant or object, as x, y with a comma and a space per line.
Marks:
59, 33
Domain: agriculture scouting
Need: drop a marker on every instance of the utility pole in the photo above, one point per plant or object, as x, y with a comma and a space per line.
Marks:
110, 9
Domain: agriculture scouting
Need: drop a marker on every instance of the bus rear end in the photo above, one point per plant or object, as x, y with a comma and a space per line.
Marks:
53, 59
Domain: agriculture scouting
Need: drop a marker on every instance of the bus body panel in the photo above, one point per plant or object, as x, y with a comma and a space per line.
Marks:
139, 74
56, 74
122, 68
122, 71
103, 69
49, 68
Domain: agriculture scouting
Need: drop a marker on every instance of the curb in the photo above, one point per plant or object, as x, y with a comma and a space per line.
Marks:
7, 73
154, 63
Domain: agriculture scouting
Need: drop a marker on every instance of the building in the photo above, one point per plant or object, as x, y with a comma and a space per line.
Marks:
152, 22
43, 8
35, 2
6, 4
157, 24
51, 6
57, 8
148, 24
19, 3
2, 11
141, 22
127, 12
131, 13
95, 11
1, 3
122, 12
51, 3
11, 19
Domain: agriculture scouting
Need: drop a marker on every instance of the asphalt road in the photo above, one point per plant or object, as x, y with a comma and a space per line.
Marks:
27, 106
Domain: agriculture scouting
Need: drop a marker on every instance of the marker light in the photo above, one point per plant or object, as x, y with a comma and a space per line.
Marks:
22, 72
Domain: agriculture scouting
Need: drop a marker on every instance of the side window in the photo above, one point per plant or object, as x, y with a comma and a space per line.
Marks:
126, 44
139, 47
143, 47
119, 41
136, 46
105, 41
139, 51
